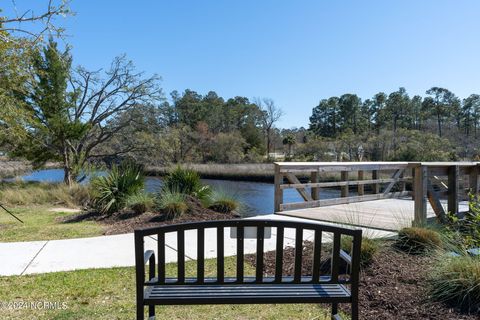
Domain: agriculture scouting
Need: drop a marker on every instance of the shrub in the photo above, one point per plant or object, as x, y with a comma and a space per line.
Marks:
221, 201
140, 202
185, 181
456, 281
172, 203
466, 231
111, 191
367, 251
418, 240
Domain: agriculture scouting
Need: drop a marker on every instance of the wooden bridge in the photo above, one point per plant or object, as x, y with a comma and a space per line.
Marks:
405, 193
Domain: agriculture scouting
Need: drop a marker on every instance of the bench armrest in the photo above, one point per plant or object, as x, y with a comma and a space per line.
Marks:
346, 257
149, 256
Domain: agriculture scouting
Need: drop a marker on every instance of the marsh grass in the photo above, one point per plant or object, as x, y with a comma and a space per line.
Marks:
20, 193
110, 294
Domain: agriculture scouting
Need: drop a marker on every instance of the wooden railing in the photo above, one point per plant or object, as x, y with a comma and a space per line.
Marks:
428, 181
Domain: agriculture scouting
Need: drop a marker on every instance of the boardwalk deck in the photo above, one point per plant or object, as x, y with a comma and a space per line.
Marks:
373, 193
386, 214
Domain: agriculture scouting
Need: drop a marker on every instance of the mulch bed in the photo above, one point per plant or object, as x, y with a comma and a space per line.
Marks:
128, 221
393, 286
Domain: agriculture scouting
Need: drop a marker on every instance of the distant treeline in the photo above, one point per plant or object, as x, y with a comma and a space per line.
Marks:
398, 127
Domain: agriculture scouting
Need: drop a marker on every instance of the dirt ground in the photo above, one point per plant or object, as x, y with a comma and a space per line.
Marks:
128, 221
393, 286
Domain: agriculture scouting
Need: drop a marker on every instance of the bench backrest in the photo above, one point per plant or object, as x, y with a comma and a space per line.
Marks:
260, 228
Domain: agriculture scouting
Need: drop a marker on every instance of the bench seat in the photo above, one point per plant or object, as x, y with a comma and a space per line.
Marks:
245, 293
333, 277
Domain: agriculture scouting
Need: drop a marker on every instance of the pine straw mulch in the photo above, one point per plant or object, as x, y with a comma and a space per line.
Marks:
393, 286
128, 221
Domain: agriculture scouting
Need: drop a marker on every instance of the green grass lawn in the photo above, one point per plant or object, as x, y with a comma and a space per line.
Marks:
42, 224
110, 294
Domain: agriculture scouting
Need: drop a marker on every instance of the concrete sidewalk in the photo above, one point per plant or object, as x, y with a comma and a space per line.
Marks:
19, 258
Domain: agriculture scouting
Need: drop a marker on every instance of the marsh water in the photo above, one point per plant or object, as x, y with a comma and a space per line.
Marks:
256, 197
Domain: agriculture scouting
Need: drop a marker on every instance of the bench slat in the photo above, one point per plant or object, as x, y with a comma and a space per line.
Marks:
336, 256
279, 255
200, 254
260, 246
220, 255
161, 257
317, 258
298, 254
240, 253
181, 255
241, 293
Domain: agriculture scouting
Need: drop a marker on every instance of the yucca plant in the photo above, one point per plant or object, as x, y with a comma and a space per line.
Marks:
111, 191
185, 181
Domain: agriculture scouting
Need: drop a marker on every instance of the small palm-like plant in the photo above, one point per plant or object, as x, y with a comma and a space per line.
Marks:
185, 181
112, 190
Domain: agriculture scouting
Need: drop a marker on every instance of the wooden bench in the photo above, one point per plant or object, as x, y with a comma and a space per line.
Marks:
340, 285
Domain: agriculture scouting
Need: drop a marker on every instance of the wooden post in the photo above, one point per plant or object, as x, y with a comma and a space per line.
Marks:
420, 191
315, 192
413, 183
375, 186
361, 189
344, 177
453, 187
278, 196
474, 183
403, 185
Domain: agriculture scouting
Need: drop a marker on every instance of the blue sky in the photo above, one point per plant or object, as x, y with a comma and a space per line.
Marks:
295, 52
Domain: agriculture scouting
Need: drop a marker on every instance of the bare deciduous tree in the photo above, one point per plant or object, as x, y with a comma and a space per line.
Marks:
26, 23
270, 115
102, 102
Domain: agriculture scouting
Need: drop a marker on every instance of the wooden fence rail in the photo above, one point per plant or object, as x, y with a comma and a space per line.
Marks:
429, 181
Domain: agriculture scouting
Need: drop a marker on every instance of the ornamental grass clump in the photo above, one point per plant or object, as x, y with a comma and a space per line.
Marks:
221, 201
417, 240
456, 282
368, 249
140, 202
111, 191
172, 203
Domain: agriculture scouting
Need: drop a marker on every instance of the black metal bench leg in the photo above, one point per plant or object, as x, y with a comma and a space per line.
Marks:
335, 311
140, 311
355, 311
151, 312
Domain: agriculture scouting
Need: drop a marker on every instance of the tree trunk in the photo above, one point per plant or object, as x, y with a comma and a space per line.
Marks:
67, 177
268, 144
439, 121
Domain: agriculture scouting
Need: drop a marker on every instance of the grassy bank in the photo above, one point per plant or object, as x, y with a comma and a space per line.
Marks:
40, 223
110, 294
261, 172
242, 172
